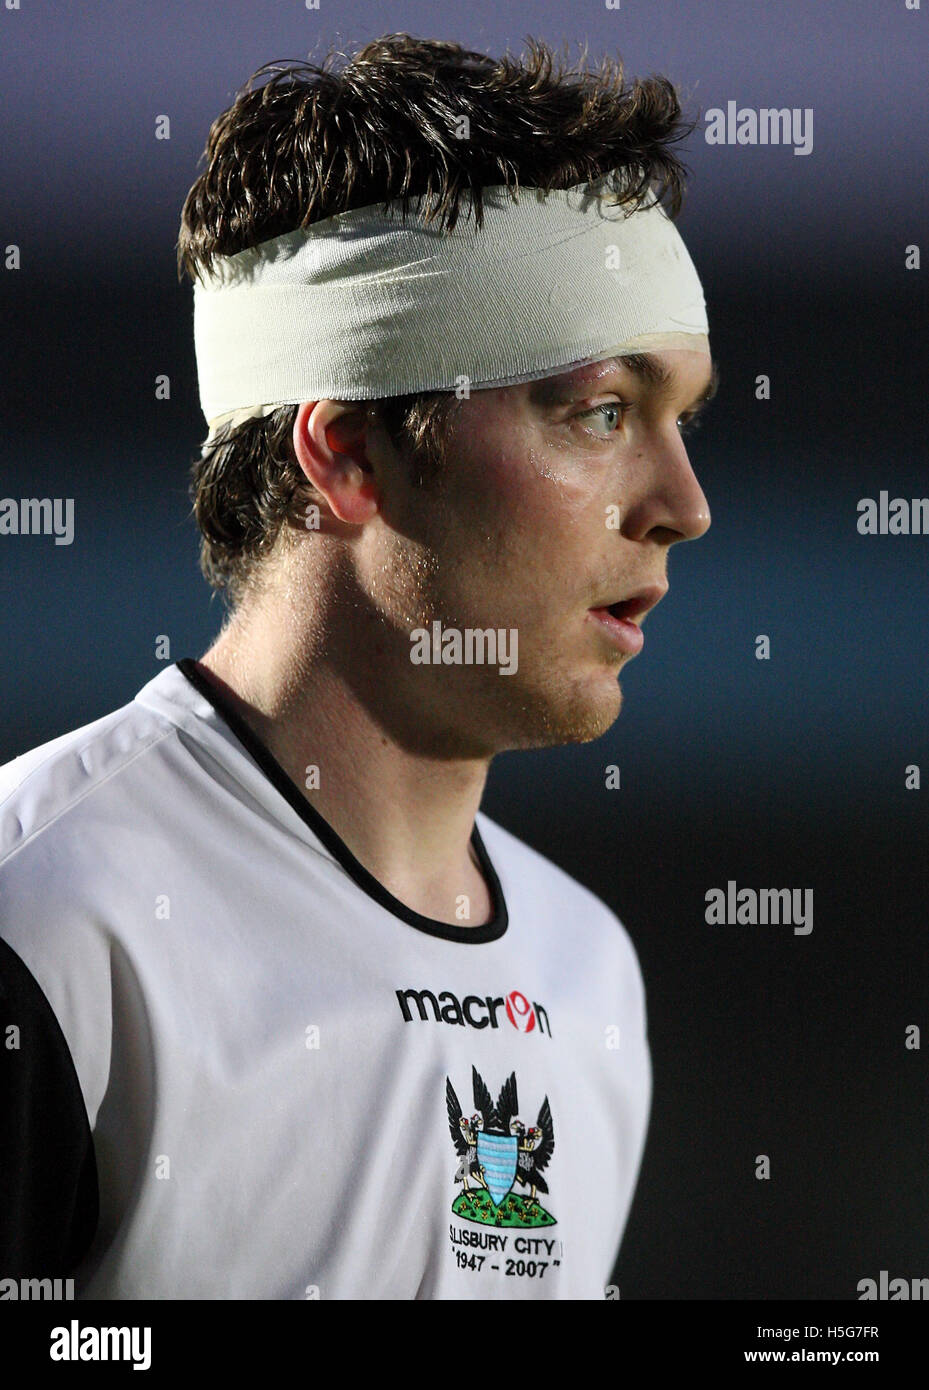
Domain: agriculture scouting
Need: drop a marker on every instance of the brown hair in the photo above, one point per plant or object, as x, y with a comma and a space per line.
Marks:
313, 141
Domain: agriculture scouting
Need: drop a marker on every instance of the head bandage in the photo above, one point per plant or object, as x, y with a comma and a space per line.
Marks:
364, 305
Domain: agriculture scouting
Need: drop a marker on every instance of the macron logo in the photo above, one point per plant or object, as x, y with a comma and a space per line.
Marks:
474, 1011
76, 1343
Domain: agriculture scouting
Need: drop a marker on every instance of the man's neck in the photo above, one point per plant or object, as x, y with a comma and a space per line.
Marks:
404, 813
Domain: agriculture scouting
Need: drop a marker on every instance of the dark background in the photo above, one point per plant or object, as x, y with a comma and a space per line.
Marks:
785, 773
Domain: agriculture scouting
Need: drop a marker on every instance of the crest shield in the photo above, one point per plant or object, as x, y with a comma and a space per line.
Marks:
497, 1155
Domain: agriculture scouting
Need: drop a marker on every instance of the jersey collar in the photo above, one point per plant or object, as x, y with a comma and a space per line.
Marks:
476, 936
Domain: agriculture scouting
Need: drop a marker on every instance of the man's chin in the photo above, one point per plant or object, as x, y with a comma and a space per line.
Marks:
594, 725
580, 718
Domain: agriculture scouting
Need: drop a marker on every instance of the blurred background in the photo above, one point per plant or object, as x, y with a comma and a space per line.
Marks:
786, 772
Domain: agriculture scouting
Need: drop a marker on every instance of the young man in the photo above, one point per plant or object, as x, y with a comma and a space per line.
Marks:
292, 1017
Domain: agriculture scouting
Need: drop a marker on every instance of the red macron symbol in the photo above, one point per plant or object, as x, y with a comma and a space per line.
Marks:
520, 1012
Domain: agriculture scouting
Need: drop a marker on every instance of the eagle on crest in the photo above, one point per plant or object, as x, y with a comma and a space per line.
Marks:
497, 1125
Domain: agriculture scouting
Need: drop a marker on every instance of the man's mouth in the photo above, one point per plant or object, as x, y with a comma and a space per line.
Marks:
618, 618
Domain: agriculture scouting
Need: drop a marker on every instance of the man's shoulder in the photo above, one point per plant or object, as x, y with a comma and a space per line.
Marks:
523, 868
72, 772
69, 811
519, 858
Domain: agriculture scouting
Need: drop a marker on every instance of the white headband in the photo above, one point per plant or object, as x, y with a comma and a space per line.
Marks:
362, 306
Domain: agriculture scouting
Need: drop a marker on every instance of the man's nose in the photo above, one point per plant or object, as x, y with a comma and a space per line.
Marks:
669, 498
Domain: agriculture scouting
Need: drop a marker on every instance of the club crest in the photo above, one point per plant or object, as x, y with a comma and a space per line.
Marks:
498, 1154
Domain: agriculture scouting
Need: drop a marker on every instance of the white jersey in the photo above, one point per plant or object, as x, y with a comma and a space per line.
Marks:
240, 1068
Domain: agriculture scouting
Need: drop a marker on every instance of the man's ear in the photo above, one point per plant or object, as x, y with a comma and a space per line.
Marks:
330, 442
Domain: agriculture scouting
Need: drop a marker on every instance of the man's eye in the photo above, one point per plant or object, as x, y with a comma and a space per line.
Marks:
616, 407
687, 424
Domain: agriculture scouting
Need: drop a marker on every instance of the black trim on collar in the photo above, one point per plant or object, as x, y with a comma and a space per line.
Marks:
479, 935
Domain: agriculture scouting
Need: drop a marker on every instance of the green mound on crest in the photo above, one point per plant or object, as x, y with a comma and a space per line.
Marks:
478, 1205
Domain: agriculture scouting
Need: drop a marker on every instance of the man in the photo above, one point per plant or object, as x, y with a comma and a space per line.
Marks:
295, 1018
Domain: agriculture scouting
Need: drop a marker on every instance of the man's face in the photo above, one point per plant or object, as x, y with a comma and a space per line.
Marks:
558, 499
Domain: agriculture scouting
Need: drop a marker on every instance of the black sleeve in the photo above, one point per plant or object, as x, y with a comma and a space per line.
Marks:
49, 1199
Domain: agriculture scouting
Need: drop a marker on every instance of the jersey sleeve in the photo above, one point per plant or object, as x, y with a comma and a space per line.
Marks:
49, 1201
635, 1053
